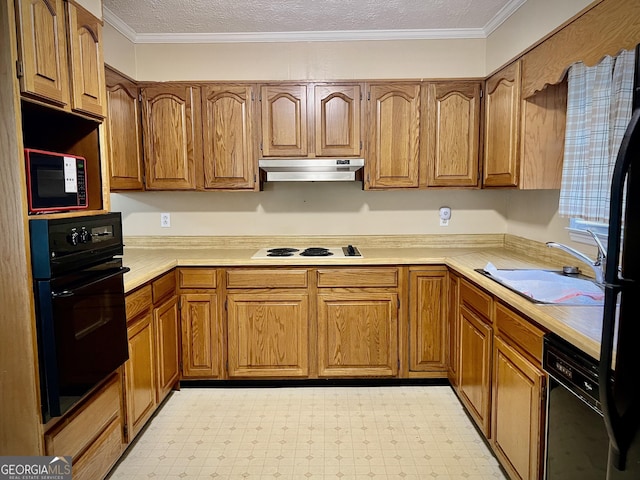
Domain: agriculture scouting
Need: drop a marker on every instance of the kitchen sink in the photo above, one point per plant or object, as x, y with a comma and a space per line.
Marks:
547, 286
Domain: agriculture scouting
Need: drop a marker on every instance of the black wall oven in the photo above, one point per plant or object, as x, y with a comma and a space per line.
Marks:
80, 307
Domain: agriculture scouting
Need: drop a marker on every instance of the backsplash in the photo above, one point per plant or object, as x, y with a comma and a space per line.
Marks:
312, 209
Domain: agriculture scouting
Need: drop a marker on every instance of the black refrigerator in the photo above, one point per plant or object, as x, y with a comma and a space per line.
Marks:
619, 366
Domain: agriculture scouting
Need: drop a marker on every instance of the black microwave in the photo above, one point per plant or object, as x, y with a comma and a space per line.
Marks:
56, 182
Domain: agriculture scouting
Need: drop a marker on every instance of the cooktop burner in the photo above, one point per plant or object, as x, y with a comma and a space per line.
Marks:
281, 252
291, 252
316, 252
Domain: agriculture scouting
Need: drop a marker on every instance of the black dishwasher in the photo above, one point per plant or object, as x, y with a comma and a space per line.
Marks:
577, 440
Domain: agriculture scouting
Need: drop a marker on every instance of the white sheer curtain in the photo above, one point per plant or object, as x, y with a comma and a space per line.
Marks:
598, 111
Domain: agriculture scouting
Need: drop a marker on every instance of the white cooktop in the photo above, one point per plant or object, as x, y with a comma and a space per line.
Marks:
336, 252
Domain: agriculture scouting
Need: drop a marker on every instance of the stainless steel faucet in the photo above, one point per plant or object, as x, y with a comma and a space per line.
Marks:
596, 265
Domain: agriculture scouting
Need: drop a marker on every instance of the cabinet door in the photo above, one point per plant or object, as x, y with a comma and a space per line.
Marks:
268, 334
87, 64
284, 120
427, 320
140, 374
453, 129
123, 133
453, 329
167, 346
229, 160
393, 118
502, 128
200, 335
357, 334
171, 132
337, 117
474, 379
518, 412
43, 50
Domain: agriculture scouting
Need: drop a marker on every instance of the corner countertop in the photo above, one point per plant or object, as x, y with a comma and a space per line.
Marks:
579, 325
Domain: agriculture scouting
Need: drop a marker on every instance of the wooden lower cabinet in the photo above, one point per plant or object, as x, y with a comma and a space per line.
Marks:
453, 329
517, 413
427, 319
474, 375
96, 462
140, 374
357, 334
167, 337
93, 433
268, 334
200, 335
200, 323
153, 365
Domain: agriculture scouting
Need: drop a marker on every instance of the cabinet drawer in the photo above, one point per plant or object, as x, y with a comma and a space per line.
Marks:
358, 277
101, 455
197, 278
524, 335
163, 287
138, 302
81, 429
476, 299
268, 278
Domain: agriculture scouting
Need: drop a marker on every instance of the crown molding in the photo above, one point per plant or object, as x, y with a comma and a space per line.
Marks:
117, 23
500, 17
314, 36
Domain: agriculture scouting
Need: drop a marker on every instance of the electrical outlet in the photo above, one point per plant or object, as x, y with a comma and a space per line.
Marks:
165, 220
445, 216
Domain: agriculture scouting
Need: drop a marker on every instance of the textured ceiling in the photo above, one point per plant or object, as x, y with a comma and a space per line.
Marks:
161, 17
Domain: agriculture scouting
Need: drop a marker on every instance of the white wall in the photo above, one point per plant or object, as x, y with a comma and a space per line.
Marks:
119, 51
311, 209
312, 60
531, 22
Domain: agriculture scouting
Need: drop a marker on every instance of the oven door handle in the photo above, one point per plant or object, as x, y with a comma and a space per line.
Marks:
70, 293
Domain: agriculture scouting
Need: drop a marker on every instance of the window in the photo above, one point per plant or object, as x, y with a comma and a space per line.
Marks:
578, 231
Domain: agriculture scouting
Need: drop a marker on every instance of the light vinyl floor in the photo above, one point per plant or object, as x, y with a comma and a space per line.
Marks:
369, 433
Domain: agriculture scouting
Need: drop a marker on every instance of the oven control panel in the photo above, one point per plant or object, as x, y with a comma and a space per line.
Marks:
63, 243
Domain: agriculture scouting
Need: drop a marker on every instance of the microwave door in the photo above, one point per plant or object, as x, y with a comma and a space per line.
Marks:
56, 182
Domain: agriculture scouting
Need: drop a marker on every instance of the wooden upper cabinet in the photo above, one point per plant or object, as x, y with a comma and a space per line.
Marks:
123, 133
453, 129
544, 118
171, 132
228, 148
337, 120
502, 128
284, 120
86, 61
393, 119
43, 50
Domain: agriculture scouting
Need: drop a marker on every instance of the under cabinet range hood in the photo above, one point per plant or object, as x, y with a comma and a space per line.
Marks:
311, 169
